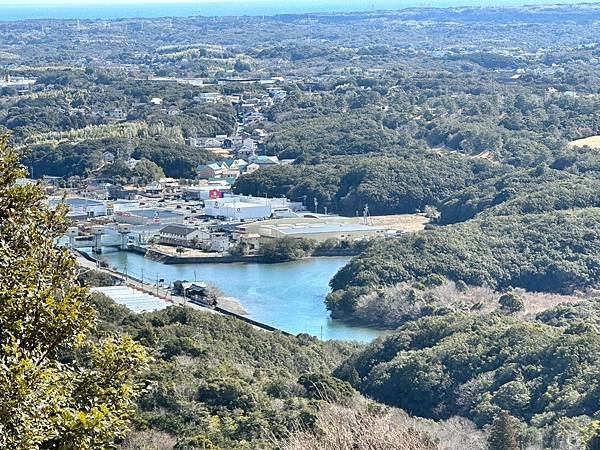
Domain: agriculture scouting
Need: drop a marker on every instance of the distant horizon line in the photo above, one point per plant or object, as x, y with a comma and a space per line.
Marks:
15, 10
400, 4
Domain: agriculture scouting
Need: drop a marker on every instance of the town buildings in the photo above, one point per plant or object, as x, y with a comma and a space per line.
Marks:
182, 235
305, 226
242, 207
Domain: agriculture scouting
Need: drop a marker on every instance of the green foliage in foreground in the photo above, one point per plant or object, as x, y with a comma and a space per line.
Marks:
556, 252
476, 366
222, 382
58, 388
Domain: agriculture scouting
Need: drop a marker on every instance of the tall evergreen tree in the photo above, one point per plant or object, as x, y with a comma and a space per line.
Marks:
59, 388
503, 435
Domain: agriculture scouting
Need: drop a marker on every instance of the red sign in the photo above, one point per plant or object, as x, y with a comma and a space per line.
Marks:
214, 193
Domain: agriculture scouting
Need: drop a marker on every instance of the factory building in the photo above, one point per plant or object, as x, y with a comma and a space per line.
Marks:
148, 216
316, 228
246, 207
79, 207
175, 234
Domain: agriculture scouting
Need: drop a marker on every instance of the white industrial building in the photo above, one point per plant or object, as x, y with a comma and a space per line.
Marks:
315, 228
80, 207
148, 216
241, 207
205, 192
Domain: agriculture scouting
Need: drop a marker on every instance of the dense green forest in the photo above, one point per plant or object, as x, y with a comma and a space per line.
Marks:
388, 184
543, 372
552, 252
87, 158
218, 382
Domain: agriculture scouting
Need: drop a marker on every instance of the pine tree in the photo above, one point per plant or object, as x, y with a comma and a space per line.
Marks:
59, 388
502, 433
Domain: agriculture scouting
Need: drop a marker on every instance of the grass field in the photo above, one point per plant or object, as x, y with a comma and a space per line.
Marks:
592, 142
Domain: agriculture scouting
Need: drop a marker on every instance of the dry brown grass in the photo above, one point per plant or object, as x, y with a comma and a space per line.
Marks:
356, 428
364, 425
395, 305
409, 223
592, 142
149, 440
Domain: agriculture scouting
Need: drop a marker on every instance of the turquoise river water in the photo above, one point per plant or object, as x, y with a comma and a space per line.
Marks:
289, 296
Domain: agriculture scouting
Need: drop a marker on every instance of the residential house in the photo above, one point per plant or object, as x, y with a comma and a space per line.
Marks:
123, 192
132, 162
265, 161
212, 170
246, 149
170, 185
218, 242
117, 115
183, 236
235, 167
252, 167
208, 97
154, 189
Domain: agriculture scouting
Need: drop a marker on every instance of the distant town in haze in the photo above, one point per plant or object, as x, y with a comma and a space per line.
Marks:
306, 226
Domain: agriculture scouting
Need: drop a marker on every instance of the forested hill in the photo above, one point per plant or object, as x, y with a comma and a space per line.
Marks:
388, 184
544, 372
552, 252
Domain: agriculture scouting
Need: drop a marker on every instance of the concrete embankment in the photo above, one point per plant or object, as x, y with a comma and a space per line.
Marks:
166, 258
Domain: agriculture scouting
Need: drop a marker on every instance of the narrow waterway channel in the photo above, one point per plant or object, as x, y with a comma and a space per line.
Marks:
289, 296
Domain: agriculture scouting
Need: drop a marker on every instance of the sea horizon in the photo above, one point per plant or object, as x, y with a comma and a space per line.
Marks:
107, 11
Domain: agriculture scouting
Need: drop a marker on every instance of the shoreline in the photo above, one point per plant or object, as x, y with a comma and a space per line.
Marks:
231, 306
227, 303
165, 258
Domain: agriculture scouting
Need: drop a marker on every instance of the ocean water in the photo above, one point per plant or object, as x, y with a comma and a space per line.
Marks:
12, 10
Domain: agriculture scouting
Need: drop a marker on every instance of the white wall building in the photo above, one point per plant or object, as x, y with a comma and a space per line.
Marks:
181, 235
241, 207
237, 208
80, 207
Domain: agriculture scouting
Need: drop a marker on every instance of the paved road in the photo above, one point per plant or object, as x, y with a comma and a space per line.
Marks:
228, 305
150, 289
